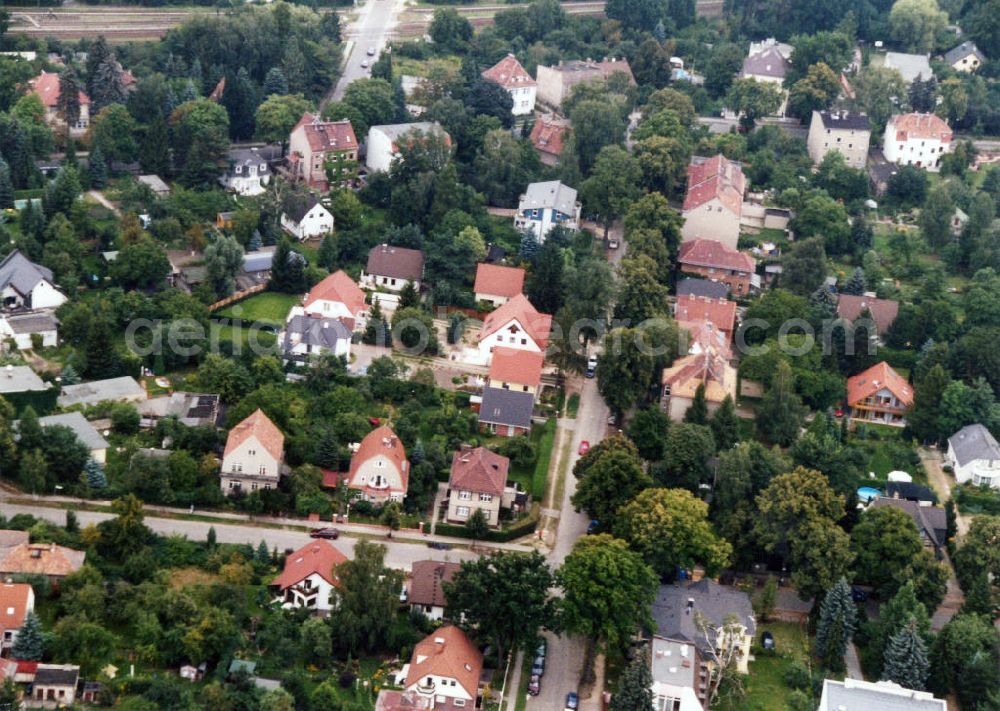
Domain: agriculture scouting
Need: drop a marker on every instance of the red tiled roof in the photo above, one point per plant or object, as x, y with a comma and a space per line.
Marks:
426, 581
721, 313
319, 557
327, 135
715, 177
381, 441
41, 559
260, 426
547, 134
509, 73
909, 126
479, 470
338, 287
706, 337
537, 325
713, 254
26, 667
513, 365
864, 385
15, 599
46, 86
883, 311
498, 281
447, 652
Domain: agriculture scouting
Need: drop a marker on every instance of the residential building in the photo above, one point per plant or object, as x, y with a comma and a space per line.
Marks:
547, 136
713, 204
308, 336
505, 412
46, 87
966, 57
496, 284
379, 470
191, 409
931, 521
691, 312
840, 132
53, 561
16, 601
768, 62
23, 327
883, 311
859, 695
122, 389
679, 676
974, 456
85, 432
718, 262
390, 700
20, 379
556, 82
702, 287
305, 217
317, 149
920, 140
908, 491
384, 141
446, 667
426, 594
54, 684
677, 607
516, 369
247, 172
309, 577
253, 456
910, 66
477, 482
707, 364
516, 81
156, 184
26, 285
547, 205
392, 268
516, 324
879, 395
337, 296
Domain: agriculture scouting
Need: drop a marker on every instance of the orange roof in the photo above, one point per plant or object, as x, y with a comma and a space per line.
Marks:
41, 559
883, 311
315, 557
547, 134
909, 126
260, 426
340, 288
16, 600
381, 441
715, 177
706, 337
536, 324
708, 369
719, 312
46, 86
479, 470
862, 386
496, 280
713, 254
513, 365
509, 73
447, 652
327, 135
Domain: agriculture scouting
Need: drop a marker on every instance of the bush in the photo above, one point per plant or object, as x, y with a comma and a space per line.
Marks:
797, 676
36, 341
124, 418
347, 678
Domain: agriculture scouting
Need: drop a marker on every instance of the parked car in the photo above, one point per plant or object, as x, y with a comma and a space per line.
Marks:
767, 640
858, 595
538, 666
541, 649
572, 701
404, 595
364, 63
593, 526
329, 533
371, 51
534, 685
591, 367
439, 546
584, 447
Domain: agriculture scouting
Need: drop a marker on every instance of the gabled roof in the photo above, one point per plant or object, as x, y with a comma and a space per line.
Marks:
327, 135
479, 470
426, 581
395, 262
298, 206
911, 66
260, 426
515, 365
316, 331
316, 557
338, 287
56, 675
702, 287
909, 491
391, 700
675, 606
883, 311
447, 652
509, 73
536, 325
974, 442
912, 126
548, 133
550, 194
721, 313
769, 62
16, 601
879, 376
962, 51
46, 86
497, 280
381, 441
709, 368
20, 273
41, 559
506, 407
715, 177
860, 695
715, 255
84, 431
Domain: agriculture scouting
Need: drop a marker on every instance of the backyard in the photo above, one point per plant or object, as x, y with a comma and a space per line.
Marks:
766, 686
267, 307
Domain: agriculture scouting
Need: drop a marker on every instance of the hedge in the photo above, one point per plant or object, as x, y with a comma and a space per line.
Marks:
975, 501
522, 528
43, 401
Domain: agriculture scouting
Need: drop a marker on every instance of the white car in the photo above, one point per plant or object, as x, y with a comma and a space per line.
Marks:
371, 51
364, 63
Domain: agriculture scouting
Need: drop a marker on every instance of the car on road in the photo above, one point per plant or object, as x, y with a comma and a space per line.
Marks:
541, 649
593, 526
584, 447
534, 685
538, 666
371, 51
364, 63
591, 367
439, 546
572, 701
328, 533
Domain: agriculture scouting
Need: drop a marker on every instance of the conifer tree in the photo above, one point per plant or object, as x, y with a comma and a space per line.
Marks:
68, 103
72, 524
377, 331
529, 246
30, 643
255, 242
635, 687
725, 425
837, 622
69, 158
97, 168
263, 556
69, 376
905, 660
275, 83
697, 413
327, 451
6, 186
409, 296
108, 87
30, 429
95, 474
328, 252
856, 285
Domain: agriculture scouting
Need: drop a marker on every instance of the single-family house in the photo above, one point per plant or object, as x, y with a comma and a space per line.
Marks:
55, 685
556, 82
713, 204
966, 57
883, 311
516, 81
121, 389
191, 409
974, 456
920, 140
547, 205
691, 311
392, 700
840, 132
53, 561
426, 594
676, 669
768, 62
384, 141
392, 268
516, 369
46, 87
702, 287
931, 521
505, 412
706, 364
26, 285
718, 262
85, 432
247, 172
445, 667
860, 695
548, 136
477, 482
496, 284
677, 608
879, 395
305, 217
318, 149
155, 183
337, 296
253, 456
23, 327
910, 66
379, 469
16, 601
309, 577
908, 491
308, 336
515, 324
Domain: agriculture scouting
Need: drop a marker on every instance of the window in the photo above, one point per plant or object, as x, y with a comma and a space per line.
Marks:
486, 497
251, 452
462, 511
263, 470
465, 496
458, 702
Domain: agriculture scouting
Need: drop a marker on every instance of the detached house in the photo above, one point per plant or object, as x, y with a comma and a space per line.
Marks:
505, 412
247, 172
676, 669
691, 312
966, 57
713, 204
547, 136
305, 217
496, 285
840, 132
253, 456
516, 81
931, 521
516, 369
920, 140
910, 66
308, 336
879, 395
547, 205
860, 695
46, 87
337, 296
478, 481
883, 311
445, 668
427, 578
308, 579
715, 261
16, 601
26, 285
379, 470
315, 145
768, 62
556, 82
392, 268
384, 141
516, 324
974, 456
707, 364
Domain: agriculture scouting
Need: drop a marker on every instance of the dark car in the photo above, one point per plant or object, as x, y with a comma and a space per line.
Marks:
858, 595
572, 701
593, 526
534, 685
538, 666
439, 546
330, 533
541, 649
767, 640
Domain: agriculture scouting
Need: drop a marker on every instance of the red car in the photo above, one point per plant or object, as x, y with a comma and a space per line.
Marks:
330, 533
374, 421
584, 447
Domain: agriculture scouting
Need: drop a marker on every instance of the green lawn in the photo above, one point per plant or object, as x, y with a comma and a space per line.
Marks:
573, 405
766, 689
266, 307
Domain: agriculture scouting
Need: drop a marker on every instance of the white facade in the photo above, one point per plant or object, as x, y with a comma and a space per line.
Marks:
917, 149
247, 180
511, 335
249, 467
315, 223
382, 144
43, 295
50, 336
523, 98
328, 308
302, 345
978, 472
312, 592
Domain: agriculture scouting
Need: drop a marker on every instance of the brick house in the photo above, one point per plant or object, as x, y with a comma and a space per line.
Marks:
715, 261
314, 143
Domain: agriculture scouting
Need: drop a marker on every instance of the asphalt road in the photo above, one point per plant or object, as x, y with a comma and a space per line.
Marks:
376, 18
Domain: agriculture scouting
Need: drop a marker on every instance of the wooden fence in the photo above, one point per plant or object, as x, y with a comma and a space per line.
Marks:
238, 296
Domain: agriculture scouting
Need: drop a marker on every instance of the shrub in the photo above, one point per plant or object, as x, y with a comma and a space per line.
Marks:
797, 676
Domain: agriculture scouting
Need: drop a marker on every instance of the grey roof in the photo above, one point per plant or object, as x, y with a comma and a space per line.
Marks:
702, 287
973, 442
242, 665
317, 332
675, 620
858, 695
844, 120
155, 183
506, 407
33, 322
298, 206
19, 379
259, 260
909, 491
932, 521
673, 662
910, 66
768, 63
395, 130
550, 194
83, 430
246, 157
191, 409
963, 50
57, 675
21, 273
110, 390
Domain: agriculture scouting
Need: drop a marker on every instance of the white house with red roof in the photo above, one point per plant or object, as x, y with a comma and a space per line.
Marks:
254, 452
496, 284
516, 369
314, 142
337, 296
46, 87
445, 667
516, 324
379, 470
879, 395
478, 481
920, 140
713, 204
309, 577
16, 601
516, 81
